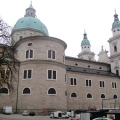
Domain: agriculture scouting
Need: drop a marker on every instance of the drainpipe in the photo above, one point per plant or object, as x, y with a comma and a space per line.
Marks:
17, 90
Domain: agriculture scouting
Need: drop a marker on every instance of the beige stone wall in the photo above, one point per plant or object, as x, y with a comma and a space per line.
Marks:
40, 49
81, 102
39, 85
25, 33
112, 42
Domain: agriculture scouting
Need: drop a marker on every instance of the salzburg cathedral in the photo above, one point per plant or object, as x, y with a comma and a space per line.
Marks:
48, 79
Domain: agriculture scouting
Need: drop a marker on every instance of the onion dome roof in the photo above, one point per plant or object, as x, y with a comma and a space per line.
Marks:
85, 41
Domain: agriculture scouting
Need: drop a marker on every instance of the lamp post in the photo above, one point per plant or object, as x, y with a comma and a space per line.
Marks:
109, 99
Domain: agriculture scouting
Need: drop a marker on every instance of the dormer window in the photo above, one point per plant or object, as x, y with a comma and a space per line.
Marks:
117, 29
113, 30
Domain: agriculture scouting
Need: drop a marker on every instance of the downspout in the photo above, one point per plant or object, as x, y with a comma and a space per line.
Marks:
17, 90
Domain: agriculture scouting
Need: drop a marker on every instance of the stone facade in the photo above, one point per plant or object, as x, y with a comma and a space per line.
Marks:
48, 79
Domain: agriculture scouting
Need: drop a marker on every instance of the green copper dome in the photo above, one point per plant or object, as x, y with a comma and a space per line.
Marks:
85, 41
30, 21
116, 22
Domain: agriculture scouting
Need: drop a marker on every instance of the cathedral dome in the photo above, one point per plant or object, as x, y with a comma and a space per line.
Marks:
85, 41
30, 21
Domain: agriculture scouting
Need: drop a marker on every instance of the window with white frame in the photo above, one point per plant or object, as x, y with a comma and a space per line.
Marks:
102, 96
114, 85
51, 91
89, 95
27, 74
26, 91
4, 90
73, 95
115, 96
51, 54
29, 54
88, 83
73, 81
52, 74
102, 84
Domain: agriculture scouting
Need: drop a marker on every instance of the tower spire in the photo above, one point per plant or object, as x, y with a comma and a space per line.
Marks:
85, 35
116, 16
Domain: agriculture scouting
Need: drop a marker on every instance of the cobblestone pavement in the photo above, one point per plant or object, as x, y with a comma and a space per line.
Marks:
20, 117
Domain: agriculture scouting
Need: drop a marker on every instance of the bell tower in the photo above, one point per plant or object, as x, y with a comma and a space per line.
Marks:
86, 49
114, 43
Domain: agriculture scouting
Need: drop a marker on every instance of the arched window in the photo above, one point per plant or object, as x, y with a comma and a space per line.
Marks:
73, 95
52, 91
51, 54
29, 54
26, 91
4, 90
102, 96
115, 96
89, 95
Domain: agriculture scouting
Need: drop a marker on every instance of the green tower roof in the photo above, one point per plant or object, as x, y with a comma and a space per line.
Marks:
85, 41
116, 22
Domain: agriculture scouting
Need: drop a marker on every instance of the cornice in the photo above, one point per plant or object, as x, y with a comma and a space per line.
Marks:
43, 62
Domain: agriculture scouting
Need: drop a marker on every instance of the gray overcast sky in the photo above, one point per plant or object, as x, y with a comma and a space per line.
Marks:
67, 19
